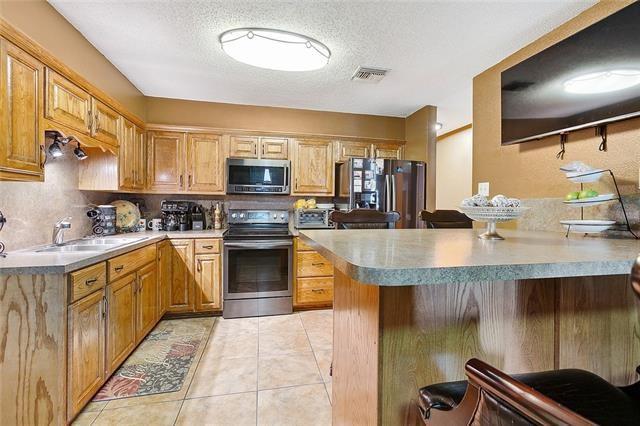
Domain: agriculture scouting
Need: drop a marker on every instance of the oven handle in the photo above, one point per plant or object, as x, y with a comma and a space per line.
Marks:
259, 245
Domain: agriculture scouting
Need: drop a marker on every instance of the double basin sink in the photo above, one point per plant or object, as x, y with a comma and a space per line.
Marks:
88, 245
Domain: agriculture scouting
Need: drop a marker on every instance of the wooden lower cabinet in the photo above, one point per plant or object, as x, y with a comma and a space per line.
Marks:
146, 300
121, 321
313, 283
164, 275
86, 350
208, 282
181, 281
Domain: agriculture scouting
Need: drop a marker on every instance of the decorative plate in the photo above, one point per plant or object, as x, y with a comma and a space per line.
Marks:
127, 215
587, 226
591, 201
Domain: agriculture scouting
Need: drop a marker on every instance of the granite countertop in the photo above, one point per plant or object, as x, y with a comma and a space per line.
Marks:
420, 256
29, 262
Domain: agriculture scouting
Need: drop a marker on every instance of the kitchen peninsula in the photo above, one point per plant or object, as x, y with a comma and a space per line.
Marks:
412, 306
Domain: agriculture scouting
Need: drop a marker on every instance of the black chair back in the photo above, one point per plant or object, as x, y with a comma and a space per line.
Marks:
364, 219
443, 219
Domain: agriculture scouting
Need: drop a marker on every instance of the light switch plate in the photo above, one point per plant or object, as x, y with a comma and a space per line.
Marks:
483, 188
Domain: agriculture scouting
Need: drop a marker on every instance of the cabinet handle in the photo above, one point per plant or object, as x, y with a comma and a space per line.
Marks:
189, 181
199, 266
208, 247
91, 282
263, 146
97, 121
89, 121
106, 306
181, 180
296, 183
119, 268
317, 290
318, 264
255, 149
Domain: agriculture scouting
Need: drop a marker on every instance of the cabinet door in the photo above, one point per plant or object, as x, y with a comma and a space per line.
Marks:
164, 275
274, 148
20, 114
181, 294
205, 163
147, 300
121, 321
106, 123
165, 161
68, 104
388, 151
140, 171
208, 283
352, 149
243, 147
313, 168
127, 156
86, 367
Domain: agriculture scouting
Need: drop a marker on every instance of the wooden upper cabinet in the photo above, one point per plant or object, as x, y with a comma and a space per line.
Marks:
127, 156
147, 300
140, 174
105, 123
389, 151
85, 354
68, 104
181, 292
21, 110
205, 163
313, 167
274, 148
166, 161
352, 149
208, 283
121, 321
243, 146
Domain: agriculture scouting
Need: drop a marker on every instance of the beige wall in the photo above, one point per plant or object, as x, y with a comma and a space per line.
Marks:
42, 23
232, 116
420, 134
530, 170
453, 169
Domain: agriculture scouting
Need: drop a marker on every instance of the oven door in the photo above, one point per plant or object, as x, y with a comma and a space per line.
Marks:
257, 268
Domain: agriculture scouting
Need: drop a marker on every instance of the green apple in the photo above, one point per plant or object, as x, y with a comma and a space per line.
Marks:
592, 193
572, 196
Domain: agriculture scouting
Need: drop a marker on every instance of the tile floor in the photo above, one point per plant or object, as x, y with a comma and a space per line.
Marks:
251, 371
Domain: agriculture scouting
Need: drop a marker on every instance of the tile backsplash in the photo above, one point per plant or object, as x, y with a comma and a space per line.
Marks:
32, 208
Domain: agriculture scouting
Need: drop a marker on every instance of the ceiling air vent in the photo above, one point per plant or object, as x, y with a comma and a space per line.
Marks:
369, 75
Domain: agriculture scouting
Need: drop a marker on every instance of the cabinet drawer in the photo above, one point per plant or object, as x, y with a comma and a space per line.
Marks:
314, 290
312, 264
206, 246
87, 280
130, 262
302, 246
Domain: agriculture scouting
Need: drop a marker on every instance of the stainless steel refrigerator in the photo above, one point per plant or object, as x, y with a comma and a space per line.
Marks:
385, 185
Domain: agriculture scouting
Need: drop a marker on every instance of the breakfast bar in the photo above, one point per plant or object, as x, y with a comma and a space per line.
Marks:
412, 306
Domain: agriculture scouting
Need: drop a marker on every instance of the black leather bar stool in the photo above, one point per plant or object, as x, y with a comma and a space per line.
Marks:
364, 219
445, 219
559, 397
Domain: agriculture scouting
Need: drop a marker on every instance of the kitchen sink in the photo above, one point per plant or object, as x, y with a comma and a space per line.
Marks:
76, 248
104, 241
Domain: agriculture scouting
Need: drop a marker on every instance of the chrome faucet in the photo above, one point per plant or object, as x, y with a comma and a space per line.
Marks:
58, 230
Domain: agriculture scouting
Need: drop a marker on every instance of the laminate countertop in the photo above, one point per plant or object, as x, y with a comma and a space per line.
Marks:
28, 261
402, 257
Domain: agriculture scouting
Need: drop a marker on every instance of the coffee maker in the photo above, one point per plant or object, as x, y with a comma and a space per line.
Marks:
176, 215
198, 222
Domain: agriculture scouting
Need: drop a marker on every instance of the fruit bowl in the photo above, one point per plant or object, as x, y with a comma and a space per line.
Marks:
492, 215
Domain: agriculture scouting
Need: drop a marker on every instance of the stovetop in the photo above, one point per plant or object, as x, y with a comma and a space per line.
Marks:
257, 224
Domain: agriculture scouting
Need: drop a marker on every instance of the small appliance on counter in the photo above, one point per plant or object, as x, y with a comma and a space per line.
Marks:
198, 221
176, 215
313, 219
104, 219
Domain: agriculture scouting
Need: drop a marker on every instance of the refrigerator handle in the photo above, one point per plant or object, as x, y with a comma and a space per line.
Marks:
387, 194
393, 190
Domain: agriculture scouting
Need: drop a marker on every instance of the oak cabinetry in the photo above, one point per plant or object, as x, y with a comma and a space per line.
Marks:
105, 123
67, 104
131, 157
352, 149
267, 147
121, 321
164, 275
87, 280
207, 282
389, 151
130, 262
146, 300
313, 167
21, 111
313, 285
86, 356
205, 163
181, 282
165, 161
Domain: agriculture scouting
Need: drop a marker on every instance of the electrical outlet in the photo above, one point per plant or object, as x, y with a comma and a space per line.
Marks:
483, 188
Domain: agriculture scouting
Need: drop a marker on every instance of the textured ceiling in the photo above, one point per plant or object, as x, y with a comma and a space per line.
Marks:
433, 48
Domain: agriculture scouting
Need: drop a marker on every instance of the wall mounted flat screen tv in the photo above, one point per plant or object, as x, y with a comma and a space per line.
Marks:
588, 79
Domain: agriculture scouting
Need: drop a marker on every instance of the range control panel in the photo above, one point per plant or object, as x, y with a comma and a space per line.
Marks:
258, 216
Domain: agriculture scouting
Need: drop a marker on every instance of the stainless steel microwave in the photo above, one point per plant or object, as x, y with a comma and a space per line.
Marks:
245, 176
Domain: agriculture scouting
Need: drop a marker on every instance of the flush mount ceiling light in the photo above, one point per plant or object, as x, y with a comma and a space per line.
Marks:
275, 49
603, 82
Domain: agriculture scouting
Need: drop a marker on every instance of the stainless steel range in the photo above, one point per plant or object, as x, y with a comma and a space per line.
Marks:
258, 259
